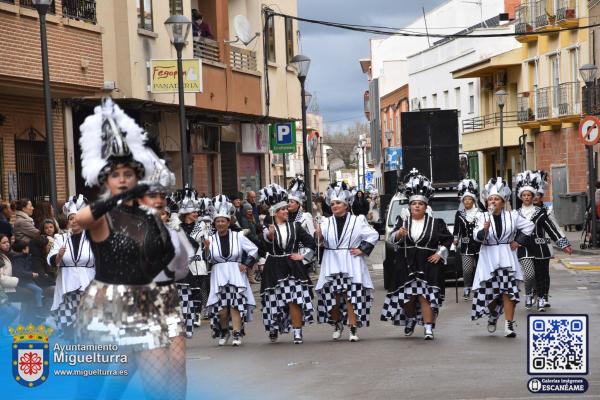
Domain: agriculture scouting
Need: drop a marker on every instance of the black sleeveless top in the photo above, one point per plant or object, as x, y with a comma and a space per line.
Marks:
137, 249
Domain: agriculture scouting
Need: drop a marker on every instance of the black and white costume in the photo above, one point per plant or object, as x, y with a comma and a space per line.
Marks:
285, 281
498, 269
342, 273
535, 255
230, 288
76, 270
465, 222
414, 275
296, 193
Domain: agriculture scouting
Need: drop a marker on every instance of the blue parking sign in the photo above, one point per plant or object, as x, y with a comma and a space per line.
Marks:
283, 137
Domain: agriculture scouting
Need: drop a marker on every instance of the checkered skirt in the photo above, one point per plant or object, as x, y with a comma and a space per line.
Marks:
359, 296
66, 313
275, 300
392, 307
502, 281
230, 296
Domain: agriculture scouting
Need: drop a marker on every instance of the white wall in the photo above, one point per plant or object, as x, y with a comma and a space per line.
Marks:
449, 17
430, 70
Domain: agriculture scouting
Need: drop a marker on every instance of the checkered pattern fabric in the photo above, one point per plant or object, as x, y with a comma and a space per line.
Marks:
469, 263
230, 296
187, 307
562, 242
275, 311
359, 296
392, 306
66, 313
528, 267
502, 281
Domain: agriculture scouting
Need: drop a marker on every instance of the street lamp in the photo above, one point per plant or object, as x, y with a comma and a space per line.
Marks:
362, 143
302, 64
178, 27
501, 99
358, 166
42, 8
588, 74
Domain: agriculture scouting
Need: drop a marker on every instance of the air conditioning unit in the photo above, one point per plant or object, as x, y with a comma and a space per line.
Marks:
487, 83
500, 78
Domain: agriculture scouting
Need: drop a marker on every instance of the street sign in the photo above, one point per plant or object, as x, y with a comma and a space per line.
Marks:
369, 179
282, 137
164, 79
393, 158
589, 131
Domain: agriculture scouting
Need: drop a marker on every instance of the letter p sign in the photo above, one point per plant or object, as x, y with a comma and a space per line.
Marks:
284, 134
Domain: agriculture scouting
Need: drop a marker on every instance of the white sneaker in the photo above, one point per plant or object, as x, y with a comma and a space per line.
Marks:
298, 336
337, 333
541, 303
237, 339
466, 294
224, 337
353, 334
509, 329
428, 332
528, 301
546, 302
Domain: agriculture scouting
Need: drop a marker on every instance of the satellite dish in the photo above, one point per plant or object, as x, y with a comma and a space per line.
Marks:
243, 30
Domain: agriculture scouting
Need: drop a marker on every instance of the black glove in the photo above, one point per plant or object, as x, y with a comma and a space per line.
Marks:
101, 207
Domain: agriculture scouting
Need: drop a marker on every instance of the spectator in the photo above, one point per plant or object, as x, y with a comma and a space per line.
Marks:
23, 269
360, 205
24, 228
5, 216
251, 229
251, 199
43, 211
7, 280
195, 26
237, 203
38, 250
203, 27
49, 228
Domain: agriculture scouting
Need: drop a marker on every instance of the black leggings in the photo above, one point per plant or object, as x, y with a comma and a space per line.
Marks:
542, 276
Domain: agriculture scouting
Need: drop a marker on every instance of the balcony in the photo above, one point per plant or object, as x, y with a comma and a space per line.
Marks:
487, 121
29, 4
524, 24
83, 10
525, 107
553, 105
207, 49
242, 59
539, 10
569, 101
566, 13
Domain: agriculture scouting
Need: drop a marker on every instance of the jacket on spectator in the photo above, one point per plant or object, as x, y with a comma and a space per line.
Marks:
24, 228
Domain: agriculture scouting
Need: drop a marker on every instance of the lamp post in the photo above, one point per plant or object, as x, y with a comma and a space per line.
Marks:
501, 99
588, 74
358, 166
362, 143
302, 64
178, 27
388, 136
42, 8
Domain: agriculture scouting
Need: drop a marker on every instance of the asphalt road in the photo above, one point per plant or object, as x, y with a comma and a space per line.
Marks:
463, 362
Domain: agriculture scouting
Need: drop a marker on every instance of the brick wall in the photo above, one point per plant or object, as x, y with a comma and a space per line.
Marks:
22, 113
201, 174
562, 147
70, 46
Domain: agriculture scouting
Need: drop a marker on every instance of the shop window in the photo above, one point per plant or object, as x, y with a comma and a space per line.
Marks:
144, 12
271, 38
289, 39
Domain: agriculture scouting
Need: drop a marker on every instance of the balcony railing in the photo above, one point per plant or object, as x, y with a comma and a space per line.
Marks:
543, 102
84, 10
29, 4
540, 12
243, 59
524, 22
558, 101
567, 10
207, 49
487, 121
525, 107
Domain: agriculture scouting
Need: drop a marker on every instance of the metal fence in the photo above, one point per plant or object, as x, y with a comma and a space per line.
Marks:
487, 121
567, 9
243, 59
84, 10
207, 49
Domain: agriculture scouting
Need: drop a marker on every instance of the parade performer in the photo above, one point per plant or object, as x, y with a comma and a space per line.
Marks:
464, 223
536, 254
344, 287
230, 301
286, 289
418, 279
72, 254
495, 287
199, 278
131, 246
296, 197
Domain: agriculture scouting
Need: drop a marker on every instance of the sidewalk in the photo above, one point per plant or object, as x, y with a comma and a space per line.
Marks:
581, 259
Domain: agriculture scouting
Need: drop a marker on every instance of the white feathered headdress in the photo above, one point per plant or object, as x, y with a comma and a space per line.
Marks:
542, 181
296, 190
222, 207
109, 138
188, 201
205, 208
417, 187
74, 204
527, 181
497, 187
468, 187
339, 192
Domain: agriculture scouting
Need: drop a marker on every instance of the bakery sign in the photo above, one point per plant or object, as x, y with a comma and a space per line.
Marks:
164, 79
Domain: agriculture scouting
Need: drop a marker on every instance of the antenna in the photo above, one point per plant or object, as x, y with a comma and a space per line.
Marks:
480, 4
242, 30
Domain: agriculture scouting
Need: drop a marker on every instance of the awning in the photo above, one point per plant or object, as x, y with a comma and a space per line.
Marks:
490, 65
192, 113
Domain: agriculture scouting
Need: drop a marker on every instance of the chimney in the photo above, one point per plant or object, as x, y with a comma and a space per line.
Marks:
510, 7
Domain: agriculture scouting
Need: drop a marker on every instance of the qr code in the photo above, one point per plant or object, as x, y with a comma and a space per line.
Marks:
557, 344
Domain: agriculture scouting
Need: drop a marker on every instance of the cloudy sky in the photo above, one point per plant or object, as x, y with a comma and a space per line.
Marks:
335, 73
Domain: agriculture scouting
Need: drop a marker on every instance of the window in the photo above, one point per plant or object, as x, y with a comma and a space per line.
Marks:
144, 12
446, 99
176, 7
471, 98
457, 99
434, 100
271, 38
574, 56
424, 102
289, 39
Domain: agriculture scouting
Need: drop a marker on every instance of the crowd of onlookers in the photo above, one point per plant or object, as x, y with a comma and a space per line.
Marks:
26, 279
